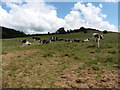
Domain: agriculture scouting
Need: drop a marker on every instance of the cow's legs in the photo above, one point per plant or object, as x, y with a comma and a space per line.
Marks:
98, 43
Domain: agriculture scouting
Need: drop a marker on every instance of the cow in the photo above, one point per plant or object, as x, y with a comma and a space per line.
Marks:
96, 37
77, 40
67, 40
44, 41
25, 42
86, 40
36, 38
60, 39
53, 38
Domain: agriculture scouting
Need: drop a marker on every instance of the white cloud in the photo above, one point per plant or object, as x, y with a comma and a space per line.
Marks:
100, 5
38, 17
73, 20
31, 17
93, 16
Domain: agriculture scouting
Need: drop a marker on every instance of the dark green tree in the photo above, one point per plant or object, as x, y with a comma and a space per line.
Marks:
82, 29
48, 33
61, 30
105, 31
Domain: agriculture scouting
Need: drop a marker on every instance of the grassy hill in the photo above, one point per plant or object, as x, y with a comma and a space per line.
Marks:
61, 64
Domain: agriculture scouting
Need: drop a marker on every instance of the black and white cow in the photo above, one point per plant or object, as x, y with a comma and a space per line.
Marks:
36, 38
86, 40
67, 40
96, 37
53, 38
60, 39
25, 42
44, 41
75, 40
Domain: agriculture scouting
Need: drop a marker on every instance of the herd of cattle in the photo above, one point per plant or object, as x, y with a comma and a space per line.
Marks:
96, 37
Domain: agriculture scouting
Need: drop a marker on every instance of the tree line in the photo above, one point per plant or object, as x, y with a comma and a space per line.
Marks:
11, 33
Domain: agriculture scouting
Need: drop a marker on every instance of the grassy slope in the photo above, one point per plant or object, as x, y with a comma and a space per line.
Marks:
41, 65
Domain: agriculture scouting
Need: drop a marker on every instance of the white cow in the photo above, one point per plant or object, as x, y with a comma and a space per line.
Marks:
96, 37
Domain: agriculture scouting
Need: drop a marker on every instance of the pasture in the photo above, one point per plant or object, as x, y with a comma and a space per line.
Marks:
61, 64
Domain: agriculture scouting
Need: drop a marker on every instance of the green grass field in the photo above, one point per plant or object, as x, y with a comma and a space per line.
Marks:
61, 64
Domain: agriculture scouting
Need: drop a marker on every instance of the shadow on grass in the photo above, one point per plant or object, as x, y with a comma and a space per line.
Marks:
91, 46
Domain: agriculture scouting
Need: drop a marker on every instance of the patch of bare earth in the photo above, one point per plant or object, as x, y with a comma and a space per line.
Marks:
88, 78
6, 58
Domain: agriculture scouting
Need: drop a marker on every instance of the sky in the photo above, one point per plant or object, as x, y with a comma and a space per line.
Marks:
43, 17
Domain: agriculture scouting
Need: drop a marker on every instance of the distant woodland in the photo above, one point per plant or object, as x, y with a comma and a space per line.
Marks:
11, 33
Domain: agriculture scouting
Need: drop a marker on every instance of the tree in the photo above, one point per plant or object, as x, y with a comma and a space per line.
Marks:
105, 31
11, 33
68, 31
82, 29
61, 30
71, 31
48, 33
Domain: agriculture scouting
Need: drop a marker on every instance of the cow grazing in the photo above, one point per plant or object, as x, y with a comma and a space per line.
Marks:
96, 37
36, 38
25, 42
